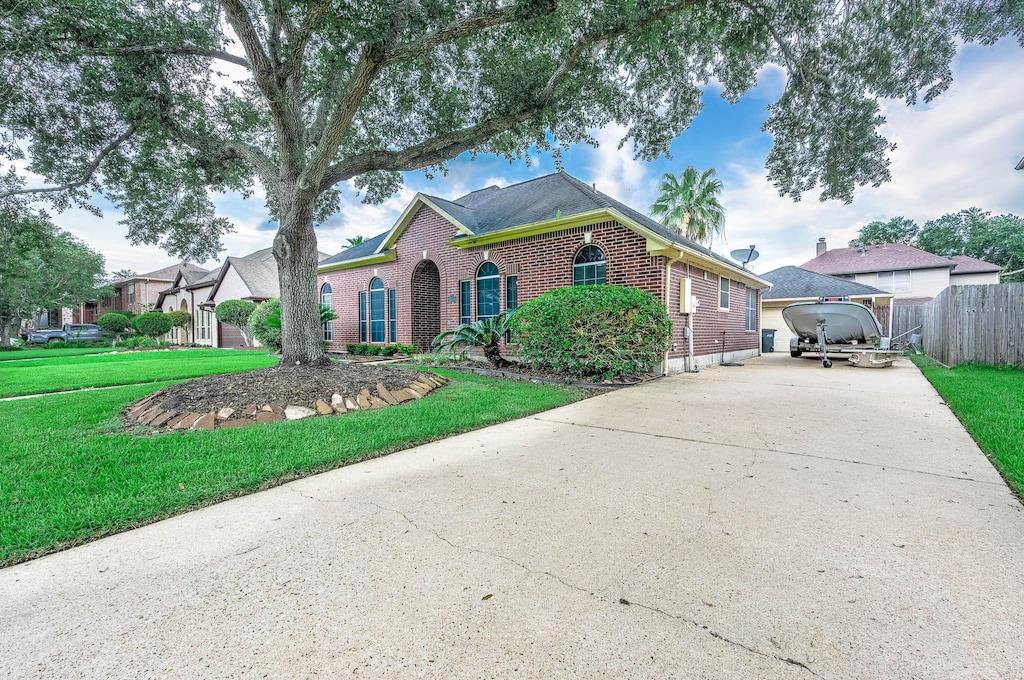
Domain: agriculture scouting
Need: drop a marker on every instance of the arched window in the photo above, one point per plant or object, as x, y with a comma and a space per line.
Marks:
488, 291
376, 310
589, 266
325, 299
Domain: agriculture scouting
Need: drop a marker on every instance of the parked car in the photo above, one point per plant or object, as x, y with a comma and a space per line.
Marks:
70, 332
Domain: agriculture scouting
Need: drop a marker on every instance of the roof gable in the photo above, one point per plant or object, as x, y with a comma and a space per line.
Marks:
972, 265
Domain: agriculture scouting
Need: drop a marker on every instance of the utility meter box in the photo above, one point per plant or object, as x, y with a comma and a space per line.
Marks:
686, 297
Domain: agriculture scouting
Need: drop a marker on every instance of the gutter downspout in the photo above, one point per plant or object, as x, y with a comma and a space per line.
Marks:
668, 305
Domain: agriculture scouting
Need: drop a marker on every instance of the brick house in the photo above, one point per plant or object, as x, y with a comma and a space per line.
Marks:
136, 294
448, 262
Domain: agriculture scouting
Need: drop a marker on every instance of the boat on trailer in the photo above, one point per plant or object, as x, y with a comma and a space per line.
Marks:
839, 326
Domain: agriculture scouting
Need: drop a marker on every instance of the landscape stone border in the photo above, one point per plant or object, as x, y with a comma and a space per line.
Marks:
149, 413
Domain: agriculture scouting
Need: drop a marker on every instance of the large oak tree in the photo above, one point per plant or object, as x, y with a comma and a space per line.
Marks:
156, 103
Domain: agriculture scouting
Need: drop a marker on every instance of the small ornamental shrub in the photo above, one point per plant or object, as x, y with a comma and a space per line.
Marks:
181, 319
593, 331
268, 336
140, 342
484, 333
152, 324
364, 349
237, 313
114, 322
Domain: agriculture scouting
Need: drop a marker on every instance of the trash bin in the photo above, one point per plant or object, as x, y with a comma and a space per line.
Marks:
767, 339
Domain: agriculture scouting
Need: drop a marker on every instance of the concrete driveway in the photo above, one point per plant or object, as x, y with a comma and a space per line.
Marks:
776, 520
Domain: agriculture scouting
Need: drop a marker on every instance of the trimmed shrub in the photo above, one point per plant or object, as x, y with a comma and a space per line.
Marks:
180, 319
140, 342
593, 331
268, 336
152, 324
114, 322
237, 313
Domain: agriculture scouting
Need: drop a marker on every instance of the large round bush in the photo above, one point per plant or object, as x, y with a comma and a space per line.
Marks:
152, 324
269, 335
113, 322
593, 331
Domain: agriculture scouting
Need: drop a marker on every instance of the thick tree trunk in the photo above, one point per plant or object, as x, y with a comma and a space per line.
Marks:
297, 257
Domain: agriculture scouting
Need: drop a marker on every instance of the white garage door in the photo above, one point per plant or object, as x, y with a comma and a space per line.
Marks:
771, 317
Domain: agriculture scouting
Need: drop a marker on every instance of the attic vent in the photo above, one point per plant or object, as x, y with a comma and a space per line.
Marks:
860, 249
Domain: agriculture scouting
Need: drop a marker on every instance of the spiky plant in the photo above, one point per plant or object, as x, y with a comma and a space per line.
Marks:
483, 333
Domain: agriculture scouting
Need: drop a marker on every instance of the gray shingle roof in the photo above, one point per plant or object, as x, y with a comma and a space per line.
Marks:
790, 283
559, 194
364, 249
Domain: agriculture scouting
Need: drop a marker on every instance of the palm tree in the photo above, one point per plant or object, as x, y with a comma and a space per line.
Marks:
354, 241
485, 333
689, 204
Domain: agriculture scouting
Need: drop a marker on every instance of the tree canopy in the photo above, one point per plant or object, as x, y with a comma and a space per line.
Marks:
41, 266
998, 239
157, 103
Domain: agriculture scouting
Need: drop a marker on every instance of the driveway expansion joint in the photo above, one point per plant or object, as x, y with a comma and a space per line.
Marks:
801, 454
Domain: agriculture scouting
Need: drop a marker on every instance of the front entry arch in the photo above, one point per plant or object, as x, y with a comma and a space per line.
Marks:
426, 304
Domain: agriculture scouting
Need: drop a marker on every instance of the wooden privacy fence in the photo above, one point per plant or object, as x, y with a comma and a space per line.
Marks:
979, 323
906, 319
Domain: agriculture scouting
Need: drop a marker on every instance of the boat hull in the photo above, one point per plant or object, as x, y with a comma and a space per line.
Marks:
846, 323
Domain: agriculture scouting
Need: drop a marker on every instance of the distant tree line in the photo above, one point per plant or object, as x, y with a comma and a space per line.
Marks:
998, 239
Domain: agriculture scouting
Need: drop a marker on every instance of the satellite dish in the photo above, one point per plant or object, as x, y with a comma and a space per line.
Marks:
744, 255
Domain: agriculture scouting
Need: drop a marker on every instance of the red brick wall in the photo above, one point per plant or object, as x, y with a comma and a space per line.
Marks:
541, 263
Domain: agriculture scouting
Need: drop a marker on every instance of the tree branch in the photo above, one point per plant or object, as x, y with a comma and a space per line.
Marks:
262, 66
297, 48
90, 170
228, 149
452, 31
791, 58
137, 50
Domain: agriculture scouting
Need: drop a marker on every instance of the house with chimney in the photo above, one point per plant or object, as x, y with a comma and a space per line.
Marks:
910, 274
445, 262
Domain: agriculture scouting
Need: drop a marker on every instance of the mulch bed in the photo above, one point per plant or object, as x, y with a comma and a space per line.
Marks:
281, 386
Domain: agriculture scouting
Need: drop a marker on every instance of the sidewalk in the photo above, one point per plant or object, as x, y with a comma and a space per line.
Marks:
776, 520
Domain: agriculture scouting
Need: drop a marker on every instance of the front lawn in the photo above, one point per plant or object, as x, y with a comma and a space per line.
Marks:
61, 373
38, 353
989, 400
71, 474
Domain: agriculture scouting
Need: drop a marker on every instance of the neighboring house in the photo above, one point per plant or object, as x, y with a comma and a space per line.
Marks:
446, 262
912, 275
135, 294
252, 277
793, 284
972, 270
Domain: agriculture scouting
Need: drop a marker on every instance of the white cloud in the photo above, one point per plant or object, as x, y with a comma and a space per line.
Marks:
957, 152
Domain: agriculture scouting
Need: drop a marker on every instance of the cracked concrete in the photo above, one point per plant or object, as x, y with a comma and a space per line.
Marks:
771, 521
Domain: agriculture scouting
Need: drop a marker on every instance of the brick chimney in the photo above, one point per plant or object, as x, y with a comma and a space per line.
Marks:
821, 247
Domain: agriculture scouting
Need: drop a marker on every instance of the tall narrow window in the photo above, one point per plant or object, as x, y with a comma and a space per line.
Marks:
376, 310
362, 316
511, 292
588, 268
488, 291
751, 309
465, 302
131, 292
325, 299
723, 293
392, 316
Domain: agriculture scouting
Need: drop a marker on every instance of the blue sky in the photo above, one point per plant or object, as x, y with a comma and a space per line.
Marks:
956, 152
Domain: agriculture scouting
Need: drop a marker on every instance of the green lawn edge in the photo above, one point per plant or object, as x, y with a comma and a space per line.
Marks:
64, 373
989, 401
74, 475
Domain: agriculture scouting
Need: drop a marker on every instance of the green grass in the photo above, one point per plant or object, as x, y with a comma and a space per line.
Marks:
17, 355
63, 373
72, 475
989, 400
